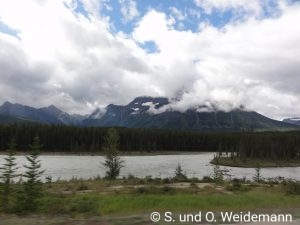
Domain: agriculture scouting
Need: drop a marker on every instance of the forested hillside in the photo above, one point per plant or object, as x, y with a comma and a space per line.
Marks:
56, 138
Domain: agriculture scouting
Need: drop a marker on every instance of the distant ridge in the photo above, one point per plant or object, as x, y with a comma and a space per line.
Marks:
295, 120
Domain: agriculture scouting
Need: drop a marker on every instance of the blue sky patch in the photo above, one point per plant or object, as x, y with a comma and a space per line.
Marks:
8, 30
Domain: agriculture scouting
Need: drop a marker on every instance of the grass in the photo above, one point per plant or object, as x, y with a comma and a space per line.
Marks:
129, 201
253, 163
134, 196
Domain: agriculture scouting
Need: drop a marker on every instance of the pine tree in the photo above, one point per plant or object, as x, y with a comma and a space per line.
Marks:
113, 161
32, 186
8, 173
257, 176
218, 174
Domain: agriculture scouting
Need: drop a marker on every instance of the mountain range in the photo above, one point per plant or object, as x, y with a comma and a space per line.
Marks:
146, 112
294, 120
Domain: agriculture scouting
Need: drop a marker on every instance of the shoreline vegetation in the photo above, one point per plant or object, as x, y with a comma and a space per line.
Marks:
254, 163
131, 195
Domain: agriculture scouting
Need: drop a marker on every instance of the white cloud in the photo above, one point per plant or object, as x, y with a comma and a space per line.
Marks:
129, 10
243, 9
75, 61
66, 56
195, 13
209, 5
242, 64
178, 14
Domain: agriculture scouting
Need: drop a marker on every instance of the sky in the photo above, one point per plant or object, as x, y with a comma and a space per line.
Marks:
84, 54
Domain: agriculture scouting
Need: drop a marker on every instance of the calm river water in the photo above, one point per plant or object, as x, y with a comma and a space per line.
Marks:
195, 165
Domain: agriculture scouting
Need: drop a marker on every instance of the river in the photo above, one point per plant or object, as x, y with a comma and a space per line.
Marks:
66, 167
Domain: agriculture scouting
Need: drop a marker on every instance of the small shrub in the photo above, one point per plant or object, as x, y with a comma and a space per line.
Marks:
48, 180
141, 181
194, 182
53, 205
141, 190
157, 180
98, 177
82, 187
166, 181
130, 177
167, 190
149, 179
207, 179
154, 190
84, 206
292, 188
236, 185
179, 174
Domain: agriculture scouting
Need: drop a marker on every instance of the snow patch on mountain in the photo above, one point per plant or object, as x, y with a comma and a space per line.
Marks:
295, 119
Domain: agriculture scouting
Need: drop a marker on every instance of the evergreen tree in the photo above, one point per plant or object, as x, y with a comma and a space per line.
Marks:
257, 176
32, 186
113, 162
218, 174
8, 173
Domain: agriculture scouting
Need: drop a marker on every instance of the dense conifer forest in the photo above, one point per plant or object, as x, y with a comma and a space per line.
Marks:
271, 145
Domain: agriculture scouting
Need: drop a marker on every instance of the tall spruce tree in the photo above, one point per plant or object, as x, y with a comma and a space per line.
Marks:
113, 162
32, 185
8, 173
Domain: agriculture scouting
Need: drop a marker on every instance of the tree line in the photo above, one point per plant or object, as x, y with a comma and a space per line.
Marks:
58, 138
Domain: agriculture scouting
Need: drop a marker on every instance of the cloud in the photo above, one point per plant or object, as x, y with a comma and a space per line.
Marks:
241, 10
222, 5
68, 56
179, 15
74, 61
129, 10
254, 63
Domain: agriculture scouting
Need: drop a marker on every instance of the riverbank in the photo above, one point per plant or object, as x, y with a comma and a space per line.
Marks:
132, 200
253, 163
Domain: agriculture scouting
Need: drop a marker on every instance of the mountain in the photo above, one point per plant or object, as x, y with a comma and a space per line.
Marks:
27, 113
295, 120
135, 114
140, 113
63, 117
17, 113
147, 112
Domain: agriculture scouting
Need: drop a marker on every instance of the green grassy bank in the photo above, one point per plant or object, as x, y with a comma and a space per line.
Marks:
253, 163
95, 204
